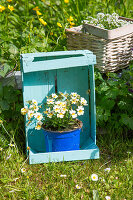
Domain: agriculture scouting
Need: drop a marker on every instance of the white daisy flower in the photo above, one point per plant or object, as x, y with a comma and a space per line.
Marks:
11, 145
80, 110
83, 101
38, 116
78, 187
54, 95
24, 110
107, 169
49, 115
73, 113
23, 170
94, 177
63, 110
38, 126
107, 198
30, 113
34, 108
63, 104
60, 115
63, 175
56, 108
74, 94
50, 101
57, 103
34, 102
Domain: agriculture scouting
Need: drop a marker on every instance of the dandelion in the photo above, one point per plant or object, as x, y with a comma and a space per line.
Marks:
27, 177
9, 1
2, 8
94, 177
23, 170
11, 145
38, 13
78, 187
107, 198
59, 24
107, 169
73, 113
42, 21
66, 1
11, 8
38, 116
63, 175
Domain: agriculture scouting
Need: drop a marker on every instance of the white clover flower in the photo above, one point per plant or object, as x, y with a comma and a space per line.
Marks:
30, 113
60, 115
94, 177
38, 116
23, 170
73, 113
107, 169
107, 198
24, 110
83, 101
54, 95
50, 101
34, 102
78, 187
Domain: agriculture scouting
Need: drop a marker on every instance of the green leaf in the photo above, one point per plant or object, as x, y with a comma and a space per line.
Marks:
6, 68
1, 90
13, 49
4, 105
95, 195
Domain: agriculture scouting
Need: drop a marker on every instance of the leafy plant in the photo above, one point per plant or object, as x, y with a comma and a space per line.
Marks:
114, 97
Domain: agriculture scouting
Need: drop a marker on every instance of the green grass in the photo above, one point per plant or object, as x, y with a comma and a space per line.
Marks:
44, 181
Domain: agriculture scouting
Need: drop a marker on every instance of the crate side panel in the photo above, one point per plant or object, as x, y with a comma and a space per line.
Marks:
37, 86
76, 80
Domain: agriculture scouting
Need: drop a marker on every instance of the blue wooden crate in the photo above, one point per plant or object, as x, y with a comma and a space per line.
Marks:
64, 71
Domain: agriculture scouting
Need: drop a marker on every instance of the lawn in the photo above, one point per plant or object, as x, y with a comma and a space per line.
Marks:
39, 26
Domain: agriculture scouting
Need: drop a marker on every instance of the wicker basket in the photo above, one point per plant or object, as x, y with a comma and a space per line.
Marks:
113, 48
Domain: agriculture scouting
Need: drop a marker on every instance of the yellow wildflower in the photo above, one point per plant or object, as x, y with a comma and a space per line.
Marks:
11, 8
70, 19
9, 0
66, 1
1, 121
36, 8
51, 33
42, 21
2, 8
59, 24
72, 23
38, 13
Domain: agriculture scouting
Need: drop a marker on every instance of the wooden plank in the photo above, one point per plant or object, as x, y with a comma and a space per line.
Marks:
52, 64
76, 80
37, 86
91, 151
92, 103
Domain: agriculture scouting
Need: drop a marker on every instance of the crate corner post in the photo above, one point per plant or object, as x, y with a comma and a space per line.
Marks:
64, 71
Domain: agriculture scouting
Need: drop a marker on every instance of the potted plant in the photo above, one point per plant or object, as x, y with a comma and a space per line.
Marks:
58, 119
108, 36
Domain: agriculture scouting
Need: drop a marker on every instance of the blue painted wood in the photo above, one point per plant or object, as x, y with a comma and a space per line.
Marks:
92, 103
90, 151
38, 76
76, 80
36, 62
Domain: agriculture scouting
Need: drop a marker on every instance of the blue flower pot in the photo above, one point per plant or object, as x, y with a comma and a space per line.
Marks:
62, 141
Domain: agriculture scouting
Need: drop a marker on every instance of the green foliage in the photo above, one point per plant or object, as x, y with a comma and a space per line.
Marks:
114, 98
